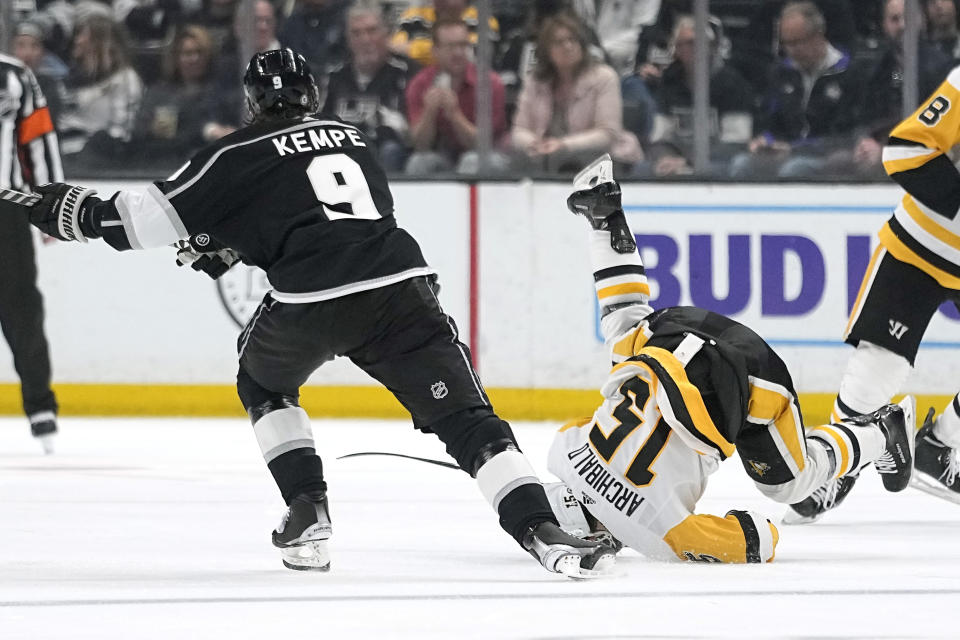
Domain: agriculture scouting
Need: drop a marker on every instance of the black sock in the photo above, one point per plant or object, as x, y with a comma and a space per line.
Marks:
297, 472
523, 508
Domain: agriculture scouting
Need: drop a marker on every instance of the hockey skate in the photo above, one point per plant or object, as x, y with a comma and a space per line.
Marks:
561, 553
597, 198
827, 497
43, 426
604, 537
895, 465
898, 423
303, 533
937, 470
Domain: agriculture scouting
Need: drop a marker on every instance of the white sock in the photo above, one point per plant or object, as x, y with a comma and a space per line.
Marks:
283, 430
873, 376
845, 439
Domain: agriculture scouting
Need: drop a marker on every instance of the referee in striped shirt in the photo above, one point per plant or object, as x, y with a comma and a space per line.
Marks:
29, 156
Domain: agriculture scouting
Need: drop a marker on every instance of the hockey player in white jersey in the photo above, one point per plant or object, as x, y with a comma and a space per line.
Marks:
687, 389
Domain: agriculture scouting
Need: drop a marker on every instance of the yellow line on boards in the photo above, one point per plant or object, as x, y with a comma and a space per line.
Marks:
560, 405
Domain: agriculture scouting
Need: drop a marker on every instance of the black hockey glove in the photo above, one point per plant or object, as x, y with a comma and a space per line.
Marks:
65, 212
601, 205
205, 254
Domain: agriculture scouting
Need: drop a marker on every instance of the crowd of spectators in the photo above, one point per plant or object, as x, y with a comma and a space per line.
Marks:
798, 89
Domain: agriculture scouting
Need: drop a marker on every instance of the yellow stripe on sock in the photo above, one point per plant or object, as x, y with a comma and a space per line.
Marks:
842, 468
624, 289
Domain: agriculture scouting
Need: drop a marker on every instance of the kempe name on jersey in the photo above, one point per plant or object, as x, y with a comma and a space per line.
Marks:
317, 138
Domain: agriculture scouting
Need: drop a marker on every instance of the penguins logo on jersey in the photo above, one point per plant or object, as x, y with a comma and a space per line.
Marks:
760, 468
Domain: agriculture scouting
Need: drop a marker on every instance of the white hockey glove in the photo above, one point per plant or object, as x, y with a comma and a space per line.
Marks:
203, 253
64, 212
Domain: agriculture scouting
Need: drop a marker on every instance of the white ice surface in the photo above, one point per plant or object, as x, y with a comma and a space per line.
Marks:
159, 529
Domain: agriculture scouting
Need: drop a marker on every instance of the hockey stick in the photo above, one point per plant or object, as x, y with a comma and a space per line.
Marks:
18, 198
440, 463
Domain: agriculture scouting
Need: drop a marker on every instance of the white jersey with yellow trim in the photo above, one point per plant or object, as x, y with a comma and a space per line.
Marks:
688, 388
615, 482
920, 156
640, 463
633, 473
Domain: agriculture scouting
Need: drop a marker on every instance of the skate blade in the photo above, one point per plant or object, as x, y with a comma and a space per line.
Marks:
597, 172
909, 406
310, 556
569, 566
934, 488
46, 441
792, 518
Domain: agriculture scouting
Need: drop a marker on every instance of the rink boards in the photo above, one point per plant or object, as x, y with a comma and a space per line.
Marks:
785, 259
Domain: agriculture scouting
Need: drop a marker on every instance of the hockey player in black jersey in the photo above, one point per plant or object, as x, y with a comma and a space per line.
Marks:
687, 389
303, 198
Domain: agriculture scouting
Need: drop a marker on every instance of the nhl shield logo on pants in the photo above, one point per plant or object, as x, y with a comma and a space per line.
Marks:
439, 390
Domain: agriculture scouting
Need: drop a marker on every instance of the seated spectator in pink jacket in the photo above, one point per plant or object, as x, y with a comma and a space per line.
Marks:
441, 105
570, 107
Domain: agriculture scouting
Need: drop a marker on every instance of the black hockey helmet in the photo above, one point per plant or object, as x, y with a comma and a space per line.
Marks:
279, 83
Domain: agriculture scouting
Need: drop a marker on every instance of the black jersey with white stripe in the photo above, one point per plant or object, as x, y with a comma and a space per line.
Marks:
304, 199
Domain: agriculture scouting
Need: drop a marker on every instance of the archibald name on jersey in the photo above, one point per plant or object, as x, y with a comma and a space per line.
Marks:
591, 469
315, 139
